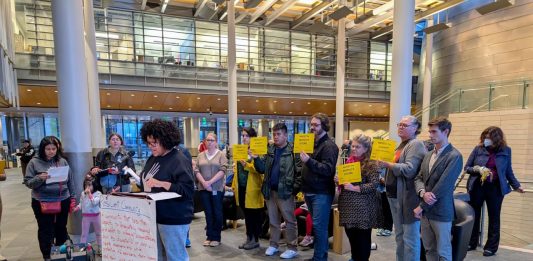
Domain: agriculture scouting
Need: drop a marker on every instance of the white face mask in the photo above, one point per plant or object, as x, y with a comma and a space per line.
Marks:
487, 142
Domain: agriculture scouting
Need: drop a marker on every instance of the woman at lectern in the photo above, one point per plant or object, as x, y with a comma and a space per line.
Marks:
168, 170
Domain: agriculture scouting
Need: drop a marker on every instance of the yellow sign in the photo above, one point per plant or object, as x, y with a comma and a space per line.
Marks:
383, 150
304, 142
258, 145
240, 152
349, 173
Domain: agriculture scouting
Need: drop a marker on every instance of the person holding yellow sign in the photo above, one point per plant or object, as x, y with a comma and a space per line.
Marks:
359, 202
246, 185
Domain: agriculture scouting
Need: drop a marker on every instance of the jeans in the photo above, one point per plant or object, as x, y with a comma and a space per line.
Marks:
320, 207
407, 235
213, 213
437, 238
171, 239
51, 226
285, 207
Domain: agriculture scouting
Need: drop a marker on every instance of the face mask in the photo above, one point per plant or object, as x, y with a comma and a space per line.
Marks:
487, 142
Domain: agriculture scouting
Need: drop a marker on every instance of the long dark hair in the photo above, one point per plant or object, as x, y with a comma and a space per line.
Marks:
54, 141
495, 135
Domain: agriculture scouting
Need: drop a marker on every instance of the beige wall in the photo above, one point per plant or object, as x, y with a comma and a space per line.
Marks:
367, 127
517, 213
478, 49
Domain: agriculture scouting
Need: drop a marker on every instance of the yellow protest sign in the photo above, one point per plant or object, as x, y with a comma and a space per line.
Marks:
240, 152
383, 150
349, 173
304, 142
258, 145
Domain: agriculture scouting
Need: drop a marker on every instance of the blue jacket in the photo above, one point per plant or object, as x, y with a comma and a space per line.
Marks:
480, 156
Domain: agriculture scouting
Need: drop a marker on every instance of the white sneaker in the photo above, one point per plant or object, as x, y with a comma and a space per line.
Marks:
288, 254
271, 251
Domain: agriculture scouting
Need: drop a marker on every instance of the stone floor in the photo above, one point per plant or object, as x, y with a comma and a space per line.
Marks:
19, 235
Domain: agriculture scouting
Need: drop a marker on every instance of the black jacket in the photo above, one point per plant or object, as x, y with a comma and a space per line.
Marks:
318, 172
175, 168
105, 159
26, 154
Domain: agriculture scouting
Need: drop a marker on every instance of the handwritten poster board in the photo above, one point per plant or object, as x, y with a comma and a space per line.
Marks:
240, 152
304, 142
383, 150
349, 173
258, 145
128, 229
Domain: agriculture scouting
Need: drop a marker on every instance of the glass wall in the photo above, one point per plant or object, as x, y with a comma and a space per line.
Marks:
139, 43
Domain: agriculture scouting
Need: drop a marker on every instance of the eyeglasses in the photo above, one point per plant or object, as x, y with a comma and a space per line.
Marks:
403, 125
314, 124
152, 144
210, 140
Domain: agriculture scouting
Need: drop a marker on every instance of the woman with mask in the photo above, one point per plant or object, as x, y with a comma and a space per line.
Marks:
491, 178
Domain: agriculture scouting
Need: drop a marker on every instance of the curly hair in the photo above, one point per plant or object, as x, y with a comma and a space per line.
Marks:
166, 133
495, 134
250, 131
324, 120
54, 141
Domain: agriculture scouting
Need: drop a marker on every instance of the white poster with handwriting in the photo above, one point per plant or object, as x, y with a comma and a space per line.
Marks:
128, 229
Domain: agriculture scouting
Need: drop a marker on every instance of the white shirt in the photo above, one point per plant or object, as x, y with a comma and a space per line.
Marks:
435, 155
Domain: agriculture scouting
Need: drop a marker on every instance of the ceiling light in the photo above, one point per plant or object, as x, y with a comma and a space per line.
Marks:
198, 98
218, 99
275, 113
225, 110
108, 106
370, 105
177, 97
242, 110
150, 107
155, 96
108, 94
132, 95
292, 101
28, 90
189, 109
258, 111
305, 113
170, 108
347, 114
238, 100
360, 114
38, 103
129, 107
55, 91
325, 103
290, 112
256, 100
308, 103
275, 101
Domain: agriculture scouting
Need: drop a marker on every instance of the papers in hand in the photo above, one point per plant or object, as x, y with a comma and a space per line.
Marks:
57, 174
152, 196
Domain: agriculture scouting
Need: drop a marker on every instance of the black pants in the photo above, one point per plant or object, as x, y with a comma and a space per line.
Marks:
492, 195
387, 215
360, 242
51, 226
253, 217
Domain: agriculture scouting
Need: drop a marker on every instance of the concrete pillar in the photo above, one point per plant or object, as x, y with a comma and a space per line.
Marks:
402, 63
428, 67
341, 69
69, 43
191, 133
233, 134
263, 128
98, 140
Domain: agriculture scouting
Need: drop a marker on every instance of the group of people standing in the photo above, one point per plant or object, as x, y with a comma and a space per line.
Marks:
419, 189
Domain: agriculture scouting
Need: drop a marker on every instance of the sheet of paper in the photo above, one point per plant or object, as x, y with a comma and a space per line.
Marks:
349, 173
258, 145
383, 150
240, 152
57, 174
152, 196
304, 142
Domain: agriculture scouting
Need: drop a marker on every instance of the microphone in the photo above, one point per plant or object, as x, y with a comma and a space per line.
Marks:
131, 153
133, 174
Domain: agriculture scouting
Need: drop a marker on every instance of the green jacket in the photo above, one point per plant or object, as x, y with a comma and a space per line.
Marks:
290, 169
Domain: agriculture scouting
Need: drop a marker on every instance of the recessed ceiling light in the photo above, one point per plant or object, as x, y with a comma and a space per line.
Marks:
325, 103
385, 115
177, 97
373, 115
258, 111
275, 101
29, 90
256, 100
305, 113
360, 114
384, 106
347, 114
108, 94
355, 105
170, 108
275, 112
155, 96
129, 107
225, 110
189, 109
242, 110
198, 98
132, 95
308, 103
292, 101
219, 99
55, 91
108, 106
38, 103
333, 114
370, 105
238, 99
150, 107
290, 112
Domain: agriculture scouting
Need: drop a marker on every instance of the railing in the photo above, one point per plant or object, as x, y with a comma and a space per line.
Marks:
495, 96
123, 73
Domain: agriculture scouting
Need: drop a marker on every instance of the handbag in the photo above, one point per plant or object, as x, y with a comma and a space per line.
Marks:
52, 207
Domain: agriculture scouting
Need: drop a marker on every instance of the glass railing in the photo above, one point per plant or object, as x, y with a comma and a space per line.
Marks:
111, 72
492, 96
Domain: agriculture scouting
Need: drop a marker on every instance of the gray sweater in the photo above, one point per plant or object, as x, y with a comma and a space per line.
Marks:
47, 192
